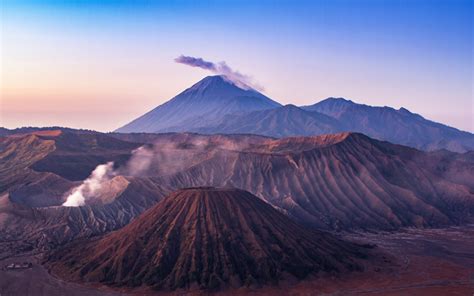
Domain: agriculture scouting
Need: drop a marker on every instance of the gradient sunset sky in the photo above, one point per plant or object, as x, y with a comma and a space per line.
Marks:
100, 64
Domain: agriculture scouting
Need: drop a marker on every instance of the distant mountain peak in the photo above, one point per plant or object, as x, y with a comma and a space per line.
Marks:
212, 97
215, 104
291, 106
206, 82
331, 106
209, 80
217, 81
338, 100
404, 110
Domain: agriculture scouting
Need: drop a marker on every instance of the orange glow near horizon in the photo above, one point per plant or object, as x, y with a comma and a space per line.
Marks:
100, 66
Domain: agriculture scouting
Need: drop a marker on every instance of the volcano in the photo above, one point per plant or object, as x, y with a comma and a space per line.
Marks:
208, 100
207, 238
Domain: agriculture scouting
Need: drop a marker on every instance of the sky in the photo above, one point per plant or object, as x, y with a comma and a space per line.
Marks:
100, 64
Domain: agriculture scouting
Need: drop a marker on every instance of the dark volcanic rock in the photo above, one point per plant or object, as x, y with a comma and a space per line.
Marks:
207, 238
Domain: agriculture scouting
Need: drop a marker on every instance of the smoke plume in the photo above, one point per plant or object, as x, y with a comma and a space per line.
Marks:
221, 68
196, 62
90, 186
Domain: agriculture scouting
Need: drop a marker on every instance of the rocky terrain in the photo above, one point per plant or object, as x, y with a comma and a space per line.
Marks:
423, 262
344, 182
338, 182
31, 215
208, 238
29, 228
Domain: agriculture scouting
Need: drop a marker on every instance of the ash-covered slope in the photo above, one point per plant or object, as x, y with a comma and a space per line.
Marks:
36, 172
38, 167
56, 157
77, 154
207, 238
344, 181
17, 154
209, 99
396, 126
24, 228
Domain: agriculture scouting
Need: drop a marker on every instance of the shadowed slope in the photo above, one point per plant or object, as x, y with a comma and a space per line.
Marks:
76, 155
207, 238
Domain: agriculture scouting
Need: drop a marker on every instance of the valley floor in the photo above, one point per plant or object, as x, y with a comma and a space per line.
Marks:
428, 262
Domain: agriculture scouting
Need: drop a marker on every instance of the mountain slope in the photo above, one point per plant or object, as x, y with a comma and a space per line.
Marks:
396, 126
75, 155
23, 227
38, 168
283, 121
17, 154
343, 181
208, 100
207, 238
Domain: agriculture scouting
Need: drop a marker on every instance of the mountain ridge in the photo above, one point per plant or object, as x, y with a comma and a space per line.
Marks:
288, 120
397, 126
340, 182
215, 105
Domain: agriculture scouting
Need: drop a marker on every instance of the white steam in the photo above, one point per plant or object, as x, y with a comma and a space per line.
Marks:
140, 161
161, 158
91, 186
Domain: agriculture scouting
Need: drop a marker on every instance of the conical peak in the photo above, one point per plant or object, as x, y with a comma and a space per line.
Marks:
214, 194
214, 81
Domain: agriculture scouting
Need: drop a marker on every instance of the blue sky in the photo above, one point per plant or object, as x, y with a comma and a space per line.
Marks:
64, 61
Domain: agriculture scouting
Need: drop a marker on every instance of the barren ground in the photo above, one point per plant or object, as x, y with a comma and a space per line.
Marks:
429, 262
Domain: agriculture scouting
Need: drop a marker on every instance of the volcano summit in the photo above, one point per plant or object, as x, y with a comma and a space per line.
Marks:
206, 101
